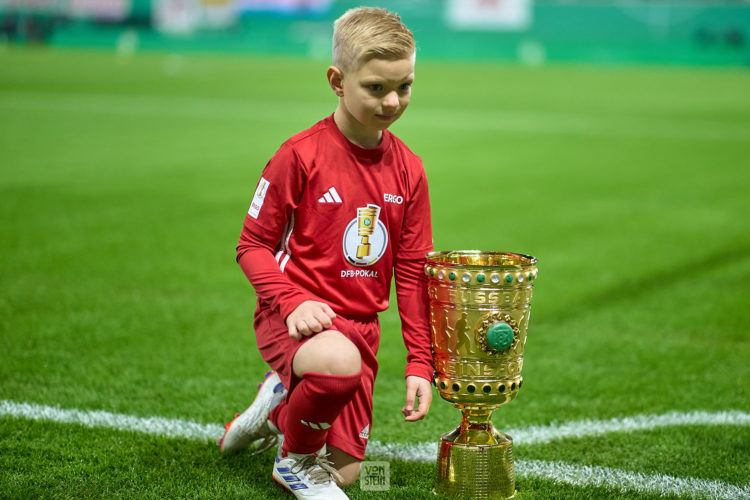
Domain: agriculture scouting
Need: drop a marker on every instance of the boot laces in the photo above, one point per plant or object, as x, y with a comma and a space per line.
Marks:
269, 441
318, 468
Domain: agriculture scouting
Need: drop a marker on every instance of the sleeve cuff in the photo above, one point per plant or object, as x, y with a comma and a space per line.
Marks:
420, 370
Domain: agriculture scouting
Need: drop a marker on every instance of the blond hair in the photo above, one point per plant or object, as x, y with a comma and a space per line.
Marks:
367, 33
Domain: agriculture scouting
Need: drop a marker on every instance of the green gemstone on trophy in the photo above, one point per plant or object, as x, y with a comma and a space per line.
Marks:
500, 336
452, 276
480, 277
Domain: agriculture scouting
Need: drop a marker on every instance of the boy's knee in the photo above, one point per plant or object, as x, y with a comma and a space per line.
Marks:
330, 353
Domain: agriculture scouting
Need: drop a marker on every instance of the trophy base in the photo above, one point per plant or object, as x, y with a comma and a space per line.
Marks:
476, 471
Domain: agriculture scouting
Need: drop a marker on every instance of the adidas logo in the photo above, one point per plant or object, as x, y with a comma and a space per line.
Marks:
330, 196
319, 426
365, 433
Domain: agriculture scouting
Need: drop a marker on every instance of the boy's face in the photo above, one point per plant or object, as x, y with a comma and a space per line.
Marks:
378, 92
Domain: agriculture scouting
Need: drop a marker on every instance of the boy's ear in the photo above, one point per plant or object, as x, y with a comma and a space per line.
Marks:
336, 80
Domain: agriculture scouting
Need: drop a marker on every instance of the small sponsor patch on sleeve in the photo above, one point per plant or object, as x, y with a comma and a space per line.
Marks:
259, 198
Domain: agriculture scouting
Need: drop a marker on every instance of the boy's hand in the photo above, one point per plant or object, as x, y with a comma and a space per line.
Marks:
422, 389
310, 317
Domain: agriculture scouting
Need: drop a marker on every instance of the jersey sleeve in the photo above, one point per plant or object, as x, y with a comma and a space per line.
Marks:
276, 197
411, 282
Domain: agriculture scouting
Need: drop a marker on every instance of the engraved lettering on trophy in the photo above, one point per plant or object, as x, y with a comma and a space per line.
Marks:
472, 369
468, 369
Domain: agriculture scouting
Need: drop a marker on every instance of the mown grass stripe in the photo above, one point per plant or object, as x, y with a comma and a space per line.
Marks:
576, 475
248, 110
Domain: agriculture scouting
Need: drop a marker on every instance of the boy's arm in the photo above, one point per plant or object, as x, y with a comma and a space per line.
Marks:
411, 293
276, 197
255, 257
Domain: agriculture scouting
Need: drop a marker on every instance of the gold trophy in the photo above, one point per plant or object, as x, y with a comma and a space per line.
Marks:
479, 313
367, 218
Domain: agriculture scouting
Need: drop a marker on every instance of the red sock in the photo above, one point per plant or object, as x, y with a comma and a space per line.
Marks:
313, 406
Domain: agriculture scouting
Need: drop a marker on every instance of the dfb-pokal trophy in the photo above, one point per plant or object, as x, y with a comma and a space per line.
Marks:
479, 314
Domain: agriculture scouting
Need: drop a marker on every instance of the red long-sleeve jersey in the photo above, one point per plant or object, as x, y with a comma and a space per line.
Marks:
331, 221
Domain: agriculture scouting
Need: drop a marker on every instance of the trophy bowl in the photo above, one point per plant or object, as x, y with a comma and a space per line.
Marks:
479, 315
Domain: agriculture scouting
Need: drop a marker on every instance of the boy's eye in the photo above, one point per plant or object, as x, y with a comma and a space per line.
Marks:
405, 86
375, 87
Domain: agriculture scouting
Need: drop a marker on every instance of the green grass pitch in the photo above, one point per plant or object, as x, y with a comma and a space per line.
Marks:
124, 182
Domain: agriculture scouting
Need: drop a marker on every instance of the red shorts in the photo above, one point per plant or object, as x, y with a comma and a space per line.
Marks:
351, 430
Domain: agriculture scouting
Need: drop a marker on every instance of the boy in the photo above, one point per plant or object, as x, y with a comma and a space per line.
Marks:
338, 209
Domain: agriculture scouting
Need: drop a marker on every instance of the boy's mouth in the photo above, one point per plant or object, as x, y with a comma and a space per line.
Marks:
385, 117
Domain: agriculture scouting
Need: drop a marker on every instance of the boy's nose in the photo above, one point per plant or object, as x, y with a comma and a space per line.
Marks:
390, 101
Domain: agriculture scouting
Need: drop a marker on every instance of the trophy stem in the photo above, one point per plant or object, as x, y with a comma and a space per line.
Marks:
476, 426
475, 459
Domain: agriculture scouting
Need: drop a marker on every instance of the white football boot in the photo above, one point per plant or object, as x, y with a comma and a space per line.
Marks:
253, 424
309, 476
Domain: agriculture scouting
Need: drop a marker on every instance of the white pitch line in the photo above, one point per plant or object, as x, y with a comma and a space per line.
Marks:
541, 434
577, 475
621, 481
158, 426
586, 428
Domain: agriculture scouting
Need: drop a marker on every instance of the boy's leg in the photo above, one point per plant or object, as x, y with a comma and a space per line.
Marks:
353, 419
334, 355
329, 367
347, 438
328, 352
